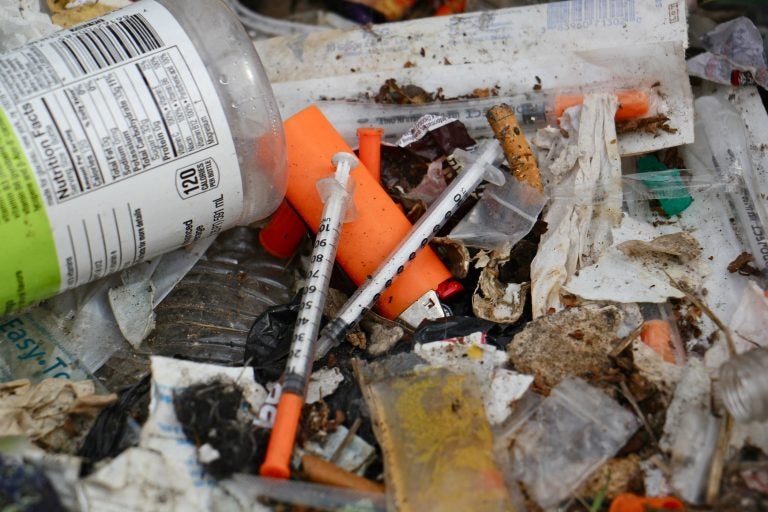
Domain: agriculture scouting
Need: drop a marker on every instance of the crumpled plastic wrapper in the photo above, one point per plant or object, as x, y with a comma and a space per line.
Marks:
20, 22
54, 413
584, 206
736, 55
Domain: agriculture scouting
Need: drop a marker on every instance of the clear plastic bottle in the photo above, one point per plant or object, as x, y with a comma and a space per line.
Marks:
744, 385
208, 315
129, 136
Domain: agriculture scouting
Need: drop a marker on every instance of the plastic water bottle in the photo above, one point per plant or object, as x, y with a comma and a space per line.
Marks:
126, 137
744, 385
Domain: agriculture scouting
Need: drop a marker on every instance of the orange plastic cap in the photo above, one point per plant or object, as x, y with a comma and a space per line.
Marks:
277, 462
632, 503
283, 233
632, 104
657, 334
370, 149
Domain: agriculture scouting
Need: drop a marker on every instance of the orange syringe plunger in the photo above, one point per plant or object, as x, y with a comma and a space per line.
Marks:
369, 152
283, 233
379, 224
632, 104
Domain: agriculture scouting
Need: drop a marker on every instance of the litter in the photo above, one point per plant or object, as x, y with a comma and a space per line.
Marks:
335, 193
553, 448
55, 413
581, 333
476, 168
435, 437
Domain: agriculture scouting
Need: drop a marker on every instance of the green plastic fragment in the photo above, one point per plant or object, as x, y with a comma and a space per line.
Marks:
668, 187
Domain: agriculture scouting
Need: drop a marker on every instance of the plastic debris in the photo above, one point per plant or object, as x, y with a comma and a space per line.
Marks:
249, 492
116, 428
435, 438
690, 433
735, 56
556, 446
634, 503
562, 49
502, 217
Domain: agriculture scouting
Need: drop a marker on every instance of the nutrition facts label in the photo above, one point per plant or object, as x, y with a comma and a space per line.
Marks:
115, 124
114, 147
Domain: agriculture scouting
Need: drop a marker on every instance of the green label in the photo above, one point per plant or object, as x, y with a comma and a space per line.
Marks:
29, 268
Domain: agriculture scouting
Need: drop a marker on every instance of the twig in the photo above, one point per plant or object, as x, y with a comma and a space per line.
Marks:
718, 460
626, 342
712, 316
347, 440
632, 402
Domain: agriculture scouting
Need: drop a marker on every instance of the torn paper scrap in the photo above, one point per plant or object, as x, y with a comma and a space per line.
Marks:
637, 271
162, 430
141, 479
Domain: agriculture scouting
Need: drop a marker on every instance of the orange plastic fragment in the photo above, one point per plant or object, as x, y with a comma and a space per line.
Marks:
657, 334
632, 503
632, 104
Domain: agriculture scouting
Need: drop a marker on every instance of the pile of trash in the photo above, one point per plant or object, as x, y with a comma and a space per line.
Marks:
520, 264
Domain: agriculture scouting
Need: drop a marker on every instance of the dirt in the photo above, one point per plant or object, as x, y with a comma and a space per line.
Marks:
542, 349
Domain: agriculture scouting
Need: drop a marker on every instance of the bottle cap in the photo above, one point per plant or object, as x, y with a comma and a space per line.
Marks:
448, 289
283, 233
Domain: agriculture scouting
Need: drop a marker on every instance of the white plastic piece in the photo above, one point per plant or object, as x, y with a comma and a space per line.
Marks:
322, 383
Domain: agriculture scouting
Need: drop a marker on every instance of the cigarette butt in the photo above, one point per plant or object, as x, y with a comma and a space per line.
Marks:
632, 104
516, 149
324, 472
370, 149
657, 334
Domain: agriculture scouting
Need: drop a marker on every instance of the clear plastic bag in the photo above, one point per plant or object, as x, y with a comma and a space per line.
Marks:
556, 445
502, 217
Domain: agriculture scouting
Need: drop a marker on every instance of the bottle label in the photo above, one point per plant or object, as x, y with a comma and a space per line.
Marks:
114, 148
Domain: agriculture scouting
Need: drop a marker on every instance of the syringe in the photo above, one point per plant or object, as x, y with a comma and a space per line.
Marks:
477, 167
337, 198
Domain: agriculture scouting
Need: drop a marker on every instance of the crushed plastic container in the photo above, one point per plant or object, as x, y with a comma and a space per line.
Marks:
128, 136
